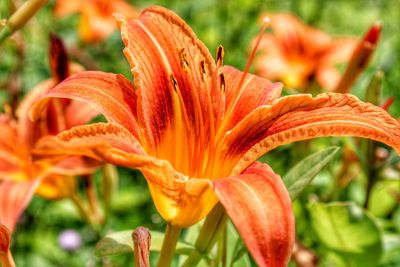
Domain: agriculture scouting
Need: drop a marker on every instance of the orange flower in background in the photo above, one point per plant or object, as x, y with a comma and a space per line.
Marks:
96, 21
297, 54
195, 128
19, 136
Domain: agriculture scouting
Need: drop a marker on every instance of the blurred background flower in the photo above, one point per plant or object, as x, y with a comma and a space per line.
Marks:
70, 240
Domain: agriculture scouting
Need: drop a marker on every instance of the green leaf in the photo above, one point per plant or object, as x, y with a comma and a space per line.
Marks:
121, 243
383, 198
349, 233
301, 175
236, 250
391, 244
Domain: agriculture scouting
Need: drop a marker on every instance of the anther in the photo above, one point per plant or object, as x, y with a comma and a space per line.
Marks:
222, 82
220, 56
203, 72
174, 82
184, 62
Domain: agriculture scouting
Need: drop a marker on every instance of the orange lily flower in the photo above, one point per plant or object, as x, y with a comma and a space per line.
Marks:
297, 54
195, 129
19, 136
14, 198
96, 22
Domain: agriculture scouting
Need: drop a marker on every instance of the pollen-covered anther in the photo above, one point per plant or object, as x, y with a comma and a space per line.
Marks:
203, 70
174, 82
184, 62
220, 56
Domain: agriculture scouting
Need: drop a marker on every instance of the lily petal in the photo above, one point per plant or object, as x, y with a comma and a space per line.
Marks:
74, 166
57, 186
339, 50
79, 113
5, 240
111, 94
12, 151
64, 8
328, 76
28, 130
94, 25
166, 56
88, 140
302, 117
267, 228
296, 37
175, 196
254, 92
14, 198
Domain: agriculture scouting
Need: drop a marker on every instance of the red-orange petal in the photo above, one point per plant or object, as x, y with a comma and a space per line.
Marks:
13, 152
94, 25
79, 113
254, 92
260, 207
88, 140
327, 76
31, 131
57, 187
174, 194
111, 94
171, 68
302, 117
5, 239
14, 198
67, 7
339, 50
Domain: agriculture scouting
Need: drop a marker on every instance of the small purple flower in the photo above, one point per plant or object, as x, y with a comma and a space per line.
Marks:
69, 240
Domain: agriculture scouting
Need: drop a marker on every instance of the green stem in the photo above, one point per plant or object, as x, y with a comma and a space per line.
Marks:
110, 183
222, 246
92, 199
168, 247
209, 234
82, 208
20, 17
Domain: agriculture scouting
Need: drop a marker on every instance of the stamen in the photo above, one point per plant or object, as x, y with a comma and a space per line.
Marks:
222, 82
174, 82
220, 56
239, 90
203, 70
184, 62
266, 23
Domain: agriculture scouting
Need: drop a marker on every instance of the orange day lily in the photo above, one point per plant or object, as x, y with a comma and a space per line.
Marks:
195, 129
19, 136
96, 21
297, 54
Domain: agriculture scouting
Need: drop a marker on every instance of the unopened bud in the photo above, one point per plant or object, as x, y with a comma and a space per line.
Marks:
141, 238
360, 58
